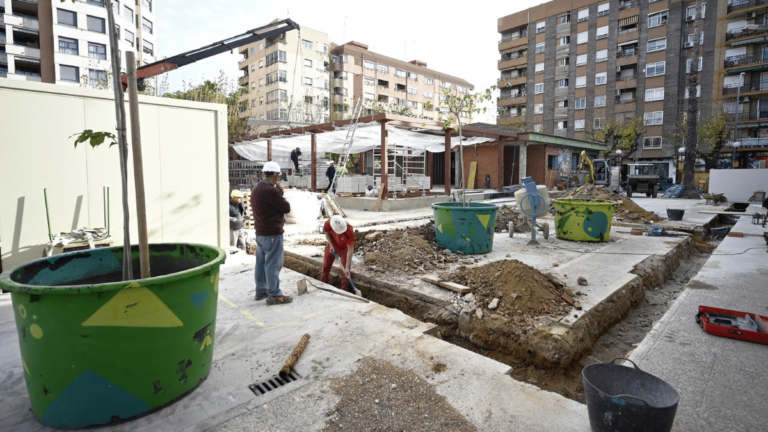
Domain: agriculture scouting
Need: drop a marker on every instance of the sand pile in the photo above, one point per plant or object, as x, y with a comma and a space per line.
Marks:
626, 209
507, 214
522, 290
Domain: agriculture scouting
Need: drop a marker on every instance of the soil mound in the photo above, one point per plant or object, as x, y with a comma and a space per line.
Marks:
626, 209
507, 214
399, 251
522, 290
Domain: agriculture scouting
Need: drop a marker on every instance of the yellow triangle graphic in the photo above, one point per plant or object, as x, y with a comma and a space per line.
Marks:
484, 219
440, 227
134, 306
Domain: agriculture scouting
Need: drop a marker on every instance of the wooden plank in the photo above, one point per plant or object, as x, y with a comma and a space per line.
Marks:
446, 284
378, 200
472, 175
727, 212
334, 205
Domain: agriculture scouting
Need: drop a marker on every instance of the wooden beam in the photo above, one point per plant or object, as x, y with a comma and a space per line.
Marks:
269, 150
314, 163
500, 168
384, 160
446, 284
447, 163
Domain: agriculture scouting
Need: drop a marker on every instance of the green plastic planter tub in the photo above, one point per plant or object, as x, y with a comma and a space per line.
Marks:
583, 220
466, 229
98, 351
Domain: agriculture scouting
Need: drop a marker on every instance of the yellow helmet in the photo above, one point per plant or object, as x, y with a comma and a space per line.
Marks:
236, 194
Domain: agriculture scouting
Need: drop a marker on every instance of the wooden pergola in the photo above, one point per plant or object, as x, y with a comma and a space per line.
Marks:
497, 134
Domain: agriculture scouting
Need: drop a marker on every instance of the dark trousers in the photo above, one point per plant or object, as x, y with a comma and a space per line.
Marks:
330, 180
296, 166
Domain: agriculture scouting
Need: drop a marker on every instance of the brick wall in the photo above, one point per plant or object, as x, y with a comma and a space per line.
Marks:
487, 158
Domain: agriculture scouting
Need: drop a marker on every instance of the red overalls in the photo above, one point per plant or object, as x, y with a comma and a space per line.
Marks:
340, 244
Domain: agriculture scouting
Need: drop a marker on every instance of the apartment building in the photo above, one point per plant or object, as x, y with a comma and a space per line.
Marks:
287, 73
388, 84
67, 42
571, 65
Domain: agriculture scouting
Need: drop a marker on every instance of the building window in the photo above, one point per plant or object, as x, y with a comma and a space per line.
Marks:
562, 124
652, 143
655, 69
693, 35
261, 82
601, 56
691, 11
562, 83
129, 37
541, 27
602, 33
413, 76
128, 13
400, 73
147, 4
307, 63
582, 37
307, 45
581, 81
688, 65
654, 94
657, 44
69, 73
599, 101
552, 162
538, 88
261, 46
698, 94
538, 108
564, 40
581, 59
282, 76
539, 68
540, 47
97, 77
653, 118
97, 51
445, 84
147, 47
382, 68
562, 104
583, 15
277, 96
96, 24
538, 127
100, 3
116, 8
146, 25
581, 103
322, 48
598, 122
657, 19
601, 78
428, 94
117, 31
562, 61
67, 18
261, 64
253, 68
603, 9
564, 19
308, 81
276, 56
578, 125
428, 80
413, 90
68, 46
368, 96
277, 114
369, 81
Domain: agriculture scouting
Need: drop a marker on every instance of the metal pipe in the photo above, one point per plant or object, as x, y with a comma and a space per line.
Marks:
294, 357
47, 214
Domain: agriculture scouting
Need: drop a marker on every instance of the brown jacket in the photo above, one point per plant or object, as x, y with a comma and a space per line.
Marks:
269, 209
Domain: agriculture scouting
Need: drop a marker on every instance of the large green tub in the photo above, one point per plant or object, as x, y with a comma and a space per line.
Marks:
583, 220
466, 229
98, 351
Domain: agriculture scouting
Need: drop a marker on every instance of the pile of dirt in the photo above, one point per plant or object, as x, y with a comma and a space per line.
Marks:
311, 242
523, 291
507, 214
626, 209
402, 251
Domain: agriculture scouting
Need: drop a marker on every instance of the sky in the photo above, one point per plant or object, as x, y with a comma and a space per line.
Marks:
456, 38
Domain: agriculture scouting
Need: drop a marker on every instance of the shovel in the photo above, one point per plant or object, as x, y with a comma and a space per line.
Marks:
349, 280
302, 288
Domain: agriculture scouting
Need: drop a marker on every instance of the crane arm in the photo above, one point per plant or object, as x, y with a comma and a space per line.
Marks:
183, 59
584, 158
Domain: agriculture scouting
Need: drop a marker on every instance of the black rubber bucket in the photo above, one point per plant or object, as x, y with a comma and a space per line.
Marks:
623, 399
675, 214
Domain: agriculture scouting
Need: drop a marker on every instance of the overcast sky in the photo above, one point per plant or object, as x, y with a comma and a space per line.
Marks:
457, 38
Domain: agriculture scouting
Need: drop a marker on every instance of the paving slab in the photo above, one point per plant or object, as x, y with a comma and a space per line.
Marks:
722, 382
253, 340
691, 218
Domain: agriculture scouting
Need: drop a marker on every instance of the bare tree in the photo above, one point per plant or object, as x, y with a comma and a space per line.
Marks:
691, 139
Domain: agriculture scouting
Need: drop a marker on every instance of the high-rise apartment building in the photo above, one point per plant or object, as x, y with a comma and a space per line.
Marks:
287, 73
67, 42
388, 84
572, 66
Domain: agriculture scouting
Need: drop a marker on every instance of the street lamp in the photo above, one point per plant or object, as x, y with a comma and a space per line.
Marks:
680, 159
736, 145
618, 155
738, 109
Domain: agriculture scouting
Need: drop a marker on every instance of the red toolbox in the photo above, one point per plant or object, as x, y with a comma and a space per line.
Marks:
733, 324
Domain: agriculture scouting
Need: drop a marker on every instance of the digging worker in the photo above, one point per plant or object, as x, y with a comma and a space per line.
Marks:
341, 239
330, 172
236, 217
295, 158
269, 210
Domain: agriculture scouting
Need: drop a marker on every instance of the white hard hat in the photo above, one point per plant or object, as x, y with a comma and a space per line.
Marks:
271, 167
338, 224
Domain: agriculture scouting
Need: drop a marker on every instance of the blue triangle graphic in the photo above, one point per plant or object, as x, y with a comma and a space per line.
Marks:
198, 298
92, 400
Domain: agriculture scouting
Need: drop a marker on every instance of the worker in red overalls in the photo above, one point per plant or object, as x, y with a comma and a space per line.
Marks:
341, 239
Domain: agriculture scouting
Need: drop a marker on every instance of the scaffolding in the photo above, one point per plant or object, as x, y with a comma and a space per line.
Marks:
405, 170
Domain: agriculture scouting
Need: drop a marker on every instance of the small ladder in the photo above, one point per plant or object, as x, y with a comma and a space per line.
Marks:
347, 147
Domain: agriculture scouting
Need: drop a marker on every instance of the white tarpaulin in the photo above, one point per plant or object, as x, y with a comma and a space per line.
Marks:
367, 137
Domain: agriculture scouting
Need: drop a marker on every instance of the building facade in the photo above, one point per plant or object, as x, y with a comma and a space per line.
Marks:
287, 74
67, 42
388, 85
568, 68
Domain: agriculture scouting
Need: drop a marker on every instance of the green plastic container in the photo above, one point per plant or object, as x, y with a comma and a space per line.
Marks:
98, 351
583, 220
466, 229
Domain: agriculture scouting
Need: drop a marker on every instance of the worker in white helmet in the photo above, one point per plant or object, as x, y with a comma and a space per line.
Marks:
341, 239
236, 217
269, 210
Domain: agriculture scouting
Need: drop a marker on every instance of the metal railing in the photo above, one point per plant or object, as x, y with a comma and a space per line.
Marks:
514, 56
513, 37
746, 60
755, 113
735, 5
627, 78
757, 86
749, 142
743, 32
626, 53
627, 5
561, 112
619, 100
626, 31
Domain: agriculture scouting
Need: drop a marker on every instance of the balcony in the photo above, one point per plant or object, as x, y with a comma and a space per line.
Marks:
746, 89
627, 5
627, 35
563, 28
752, 115
518, 98
513, 61
514, 80
561, 48
337, 99
749, 143
241, 62
2, 39
746, 60
513, 41
561, 91
339, 82
243, 80
735, 5
561, 112
749, 31
626, 98
561, 132
625, 60
23, 50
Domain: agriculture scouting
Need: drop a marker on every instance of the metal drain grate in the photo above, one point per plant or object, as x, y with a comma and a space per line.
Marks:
273, 383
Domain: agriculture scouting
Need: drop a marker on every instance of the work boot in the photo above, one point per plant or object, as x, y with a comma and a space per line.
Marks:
278, 300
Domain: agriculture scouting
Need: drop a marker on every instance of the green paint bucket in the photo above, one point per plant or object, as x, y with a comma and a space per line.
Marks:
466, 229
98, 351
583, 220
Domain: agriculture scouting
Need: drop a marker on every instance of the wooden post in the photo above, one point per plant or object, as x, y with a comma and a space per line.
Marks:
384, 160
314, 162
269, 150
138, 165
429, 160
500, 168
447, 162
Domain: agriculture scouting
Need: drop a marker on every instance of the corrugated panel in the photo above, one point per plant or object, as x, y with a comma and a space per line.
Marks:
629, 20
